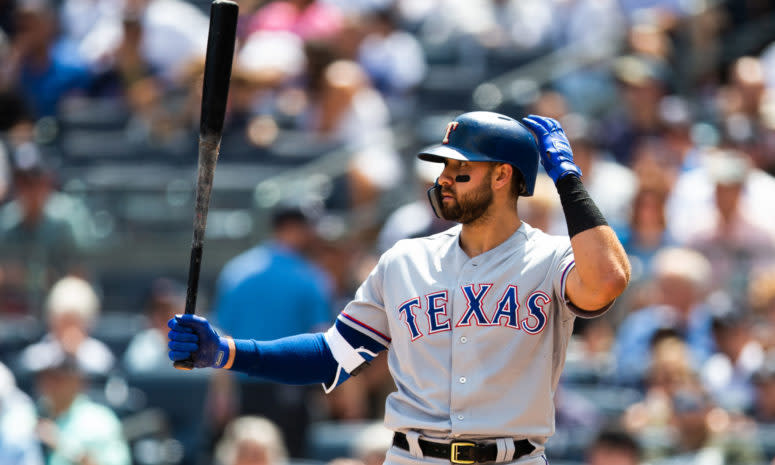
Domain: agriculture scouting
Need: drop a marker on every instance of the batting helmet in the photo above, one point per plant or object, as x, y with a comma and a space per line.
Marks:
488, 136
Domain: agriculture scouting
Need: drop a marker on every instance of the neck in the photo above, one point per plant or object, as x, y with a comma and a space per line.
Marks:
62, 405
488, 231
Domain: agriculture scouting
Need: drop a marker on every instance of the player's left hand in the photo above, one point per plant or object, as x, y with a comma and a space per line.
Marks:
556, 154
192, 336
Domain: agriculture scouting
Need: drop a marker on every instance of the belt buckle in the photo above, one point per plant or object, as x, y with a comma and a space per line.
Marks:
455, 452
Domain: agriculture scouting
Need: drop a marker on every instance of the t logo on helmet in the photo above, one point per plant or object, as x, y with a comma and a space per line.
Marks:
450, 127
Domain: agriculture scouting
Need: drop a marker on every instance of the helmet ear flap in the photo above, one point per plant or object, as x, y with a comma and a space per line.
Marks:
434, 197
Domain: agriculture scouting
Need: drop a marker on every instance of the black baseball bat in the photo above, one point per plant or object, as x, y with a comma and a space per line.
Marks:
215, 90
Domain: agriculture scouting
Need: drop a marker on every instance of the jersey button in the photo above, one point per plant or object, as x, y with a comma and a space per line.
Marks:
463, 339
460, 417
463, 379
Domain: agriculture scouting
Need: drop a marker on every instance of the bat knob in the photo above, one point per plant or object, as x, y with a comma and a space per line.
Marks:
187, 364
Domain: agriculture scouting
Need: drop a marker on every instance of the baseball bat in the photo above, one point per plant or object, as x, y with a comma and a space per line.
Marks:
215, 90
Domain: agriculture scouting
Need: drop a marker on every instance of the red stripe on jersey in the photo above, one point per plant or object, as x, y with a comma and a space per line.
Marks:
364, 325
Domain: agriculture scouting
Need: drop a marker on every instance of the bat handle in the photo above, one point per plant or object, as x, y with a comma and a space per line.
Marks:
191, 292
186, 364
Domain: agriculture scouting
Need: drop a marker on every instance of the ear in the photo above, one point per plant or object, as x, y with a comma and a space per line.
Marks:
501, 176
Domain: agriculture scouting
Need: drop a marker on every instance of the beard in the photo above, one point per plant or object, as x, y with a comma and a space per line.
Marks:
469, 208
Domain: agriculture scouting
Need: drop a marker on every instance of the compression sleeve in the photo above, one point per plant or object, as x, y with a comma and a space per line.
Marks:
581, 213
300, 359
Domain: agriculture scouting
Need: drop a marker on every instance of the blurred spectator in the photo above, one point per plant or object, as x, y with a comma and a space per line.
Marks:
727, 374
681, 279
735, 243
74, 428
761, 299
269, 292
595, 31
72, 309
7, 8
272, 57
147, 350
642, 82
451, 23
18, 442
46, 70
309, 19
543, 210
692, 203
5, 173
174, 33
677, 118
666, 10
344, 461
93, 27
372, 443
744, 92
590, 350
646, 234
416, 218
705, 433
518, 27
677, 422
252, 284
574, 410
11, 101
669, 370
763, 409
393, 59
655, 165
613, 447
251, 440
347, 109
36, 230
611, 184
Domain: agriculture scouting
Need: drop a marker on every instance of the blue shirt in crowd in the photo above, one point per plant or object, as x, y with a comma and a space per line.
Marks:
43, 88
633, 340
269, 292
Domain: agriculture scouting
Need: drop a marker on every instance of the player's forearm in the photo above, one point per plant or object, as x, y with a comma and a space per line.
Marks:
602, 270
301, 359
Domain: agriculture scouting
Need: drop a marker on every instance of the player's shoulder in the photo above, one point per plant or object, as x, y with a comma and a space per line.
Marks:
430, 244
542, 240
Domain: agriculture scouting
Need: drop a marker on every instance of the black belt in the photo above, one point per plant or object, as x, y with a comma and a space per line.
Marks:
463, 451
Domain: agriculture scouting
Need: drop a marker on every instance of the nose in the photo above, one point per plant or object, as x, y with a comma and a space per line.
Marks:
446, 177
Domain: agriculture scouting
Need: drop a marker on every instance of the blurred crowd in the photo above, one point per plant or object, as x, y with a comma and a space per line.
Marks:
670, 109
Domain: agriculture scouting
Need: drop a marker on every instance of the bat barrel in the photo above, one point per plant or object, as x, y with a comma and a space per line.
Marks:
220, 52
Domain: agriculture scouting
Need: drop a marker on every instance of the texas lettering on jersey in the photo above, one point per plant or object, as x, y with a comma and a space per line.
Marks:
479, 312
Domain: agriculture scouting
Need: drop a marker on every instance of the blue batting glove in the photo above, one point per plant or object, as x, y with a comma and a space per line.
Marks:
193, 336
556, 154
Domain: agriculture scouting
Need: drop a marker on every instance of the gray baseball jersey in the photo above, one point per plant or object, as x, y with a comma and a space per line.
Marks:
476, 344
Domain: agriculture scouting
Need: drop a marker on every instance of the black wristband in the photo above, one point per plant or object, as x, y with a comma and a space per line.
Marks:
581, 213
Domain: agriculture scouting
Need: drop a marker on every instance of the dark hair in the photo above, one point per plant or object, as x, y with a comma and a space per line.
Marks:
619, 440
284, 216
663, 333
517, 182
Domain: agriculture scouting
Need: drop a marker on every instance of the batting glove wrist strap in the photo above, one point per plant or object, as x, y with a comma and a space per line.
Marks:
224, 355
563, 169
581, 213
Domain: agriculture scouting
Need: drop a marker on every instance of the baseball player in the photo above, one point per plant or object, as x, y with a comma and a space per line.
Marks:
476, 319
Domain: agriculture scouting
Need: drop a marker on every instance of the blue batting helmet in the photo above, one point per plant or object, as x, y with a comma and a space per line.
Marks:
488, 136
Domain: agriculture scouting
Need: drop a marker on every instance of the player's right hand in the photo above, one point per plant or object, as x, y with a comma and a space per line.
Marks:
193, 337
556, 153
